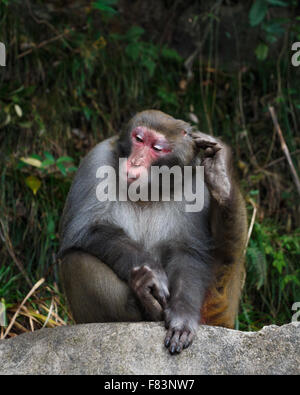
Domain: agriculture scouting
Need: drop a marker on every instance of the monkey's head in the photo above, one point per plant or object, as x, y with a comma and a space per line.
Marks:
153, 138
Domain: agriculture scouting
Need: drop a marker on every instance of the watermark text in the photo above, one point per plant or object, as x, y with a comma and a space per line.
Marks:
158, 184
296, 56
2, 54
2, 315
296, 316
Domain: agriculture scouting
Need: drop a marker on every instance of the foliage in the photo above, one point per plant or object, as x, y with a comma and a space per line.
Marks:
273, 273
271, 28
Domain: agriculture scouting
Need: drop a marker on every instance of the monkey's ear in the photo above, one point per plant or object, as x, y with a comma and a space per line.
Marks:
184, 132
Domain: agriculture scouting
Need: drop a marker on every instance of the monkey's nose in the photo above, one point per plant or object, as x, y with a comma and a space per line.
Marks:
137, 162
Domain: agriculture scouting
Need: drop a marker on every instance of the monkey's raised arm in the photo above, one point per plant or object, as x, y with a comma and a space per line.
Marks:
228, 212
230, 238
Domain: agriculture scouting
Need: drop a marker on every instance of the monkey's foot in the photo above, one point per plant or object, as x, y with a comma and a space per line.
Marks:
180, 334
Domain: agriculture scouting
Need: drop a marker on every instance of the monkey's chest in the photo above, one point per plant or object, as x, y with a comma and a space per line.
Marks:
150, 225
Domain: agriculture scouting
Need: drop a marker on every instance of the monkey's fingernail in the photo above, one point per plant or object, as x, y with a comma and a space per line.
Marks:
167, 342
172, 350
178, 349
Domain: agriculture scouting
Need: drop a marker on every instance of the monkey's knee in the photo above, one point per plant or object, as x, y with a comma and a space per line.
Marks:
94, 292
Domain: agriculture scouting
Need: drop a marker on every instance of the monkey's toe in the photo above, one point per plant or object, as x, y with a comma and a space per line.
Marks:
178, 340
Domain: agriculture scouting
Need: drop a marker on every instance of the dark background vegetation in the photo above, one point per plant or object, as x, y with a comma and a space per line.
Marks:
77, 70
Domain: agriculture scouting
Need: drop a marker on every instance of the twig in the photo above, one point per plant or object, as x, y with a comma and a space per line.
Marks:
43, 22
188, 64
35, 287
280, 159
285, 148
49, 313
253, 159
169, 21
43, 43
251, 223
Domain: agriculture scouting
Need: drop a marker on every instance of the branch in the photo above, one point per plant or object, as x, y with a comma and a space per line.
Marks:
285, 148
43, 43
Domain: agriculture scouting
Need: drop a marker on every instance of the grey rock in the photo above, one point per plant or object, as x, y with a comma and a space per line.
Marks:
137, 348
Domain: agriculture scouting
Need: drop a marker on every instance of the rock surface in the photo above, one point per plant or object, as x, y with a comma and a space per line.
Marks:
122, 348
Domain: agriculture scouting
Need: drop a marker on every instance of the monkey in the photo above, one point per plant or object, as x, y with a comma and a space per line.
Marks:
131, 261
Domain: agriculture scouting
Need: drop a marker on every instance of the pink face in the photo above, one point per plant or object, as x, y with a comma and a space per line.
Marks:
147, 146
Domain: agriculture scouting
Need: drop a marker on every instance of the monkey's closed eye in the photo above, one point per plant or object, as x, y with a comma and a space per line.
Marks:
139, 138
157, 147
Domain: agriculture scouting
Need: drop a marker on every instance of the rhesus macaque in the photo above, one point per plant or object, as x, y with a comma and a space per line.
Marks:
134, 261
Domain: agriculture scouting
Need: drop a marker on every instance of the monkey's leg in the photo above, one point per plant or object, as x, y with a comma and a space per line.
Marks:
222, 300
94, 292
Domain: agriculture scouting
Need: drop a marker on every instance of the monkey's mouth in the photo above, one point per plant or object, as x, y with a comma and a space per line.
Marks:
131, 177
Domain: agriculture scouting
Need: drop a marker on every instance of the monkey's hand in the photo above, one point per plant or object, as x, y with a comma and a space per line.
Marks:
151, 288
181, 329
217, 166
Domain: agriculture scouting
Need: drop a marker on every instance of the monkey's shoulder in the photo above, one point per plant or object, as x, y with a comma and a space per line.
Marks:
102, 154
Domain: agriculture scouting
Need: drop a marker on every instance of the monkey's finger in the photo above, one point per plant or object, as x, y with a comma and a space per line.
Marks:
174, 342
182, 341
168, 337
143, 280
208, 152
200, 143
161, 293
139, 271
203, 136
211, 151
151, 305
189, 340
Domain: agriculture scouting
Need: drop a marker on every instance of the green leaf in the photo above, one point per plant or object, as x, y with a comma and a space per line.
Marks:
87, 112
48, 155
51, 228
135, 33
62, 168
71, 169
279, 261
150, 65
166, 96
262, 51
278, 2
273, 28
258, 12
48, 162
291, 278
133, 50
171, 54
64, 159
105, 6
